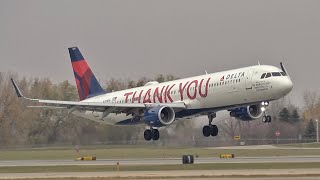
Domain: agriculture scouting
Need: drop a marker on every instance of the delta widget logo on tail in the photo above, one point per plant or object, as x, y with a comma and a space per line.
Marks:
87, 83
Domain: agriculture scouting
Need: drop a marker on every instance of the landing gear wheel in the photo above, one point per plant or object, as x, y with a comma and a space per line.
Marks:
210, 129
206, 130
214, 130
269, 119
147, 135
156, 134
264, 119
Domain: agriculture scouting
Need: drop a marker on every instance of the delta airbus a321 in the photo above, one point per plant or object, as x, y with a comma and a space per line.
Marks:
244, 92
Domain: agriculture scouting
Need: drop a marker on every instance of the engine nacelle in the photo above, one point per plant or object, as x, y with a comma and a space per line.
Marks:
247, 113
159, 116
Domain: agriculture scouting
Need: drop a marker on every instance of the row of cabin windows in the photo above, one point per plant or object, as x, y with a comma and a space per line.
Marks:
224, 83
267, 75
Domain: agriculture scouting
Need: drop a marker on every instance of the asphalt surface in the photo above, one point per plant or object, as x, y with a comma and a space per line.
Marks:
275, 159
192, 174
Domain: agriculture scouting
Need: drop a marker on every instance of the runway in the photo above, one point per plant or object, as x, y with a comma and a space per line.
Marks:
156, 161
255, 174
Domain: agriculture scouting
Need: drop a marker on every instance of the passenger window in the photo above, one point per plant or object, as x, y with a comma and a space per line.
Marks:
276, 74
268, 75
263, 75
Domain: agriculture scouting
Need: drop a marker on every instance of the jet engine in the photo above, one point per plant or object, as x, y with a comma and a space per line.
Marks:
247, 113
159, 116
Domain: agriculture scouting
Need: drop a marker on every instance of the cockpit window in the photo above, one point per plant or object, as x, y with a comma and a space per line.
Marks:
284, 74
276, 74
268, 75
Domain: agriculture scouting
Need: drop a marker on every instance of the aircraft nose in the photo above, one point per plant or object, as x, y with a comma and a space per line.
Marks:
287, 86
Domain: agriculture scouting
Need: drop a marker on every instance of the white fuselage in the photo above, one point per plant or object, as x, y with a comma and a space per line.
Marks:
214, 92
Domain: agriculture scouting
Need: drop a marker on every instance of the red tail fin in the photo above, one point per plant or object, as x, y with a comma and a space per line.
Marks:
87, 84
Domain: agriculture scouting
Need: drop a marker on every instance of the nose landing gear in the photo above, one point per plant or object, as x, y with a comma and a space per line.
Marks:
266, 118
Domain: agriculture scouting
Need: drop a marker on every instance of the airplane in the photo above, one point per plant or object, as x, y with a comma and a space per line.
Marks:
244, 92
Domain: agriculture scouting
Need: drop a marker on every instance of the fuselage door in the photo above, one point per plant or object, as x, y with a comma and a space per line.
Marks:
249, 75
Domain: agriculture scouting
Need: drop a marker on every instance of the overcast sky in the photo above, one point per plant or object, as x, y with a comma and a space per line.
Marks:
135, 38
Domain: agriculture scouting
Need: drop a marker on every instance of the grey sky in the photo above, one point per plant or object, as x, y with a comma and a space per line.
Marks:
131, 39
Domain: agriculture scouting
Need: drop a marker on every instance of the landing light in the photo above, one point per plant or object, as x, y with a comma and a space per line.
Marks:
263, 109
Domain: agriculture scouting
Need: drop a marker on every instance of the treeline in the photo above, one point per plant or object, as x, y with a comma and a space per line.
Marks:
20, 125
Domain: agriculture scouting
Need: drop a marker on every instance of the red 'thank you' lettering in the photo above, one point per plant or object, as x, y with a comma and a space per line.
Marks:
195, 82
205, 94
147, 98
181, 89
127, 96
168, 93
158, 95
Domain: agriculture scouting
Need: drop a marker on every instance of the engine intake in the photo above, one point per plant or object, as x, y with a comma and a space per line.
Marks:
247, 113
159, 116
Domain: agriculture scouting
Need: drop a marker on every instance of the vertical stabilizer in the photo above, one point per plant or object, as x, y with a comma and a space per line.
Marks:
87, 84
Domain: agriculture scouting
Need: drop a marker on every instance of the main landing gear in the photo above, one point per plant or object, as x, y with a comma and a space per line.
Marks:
210, 129
265, 118
151, 134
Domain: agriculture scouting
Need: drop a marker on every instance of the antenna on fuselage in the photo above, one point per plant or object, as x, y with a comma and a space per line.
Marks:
206, 71
259, 63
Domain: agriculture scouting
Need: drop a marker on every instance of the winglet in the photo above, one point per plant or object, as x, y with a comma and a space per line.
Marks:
19, 94
284, 69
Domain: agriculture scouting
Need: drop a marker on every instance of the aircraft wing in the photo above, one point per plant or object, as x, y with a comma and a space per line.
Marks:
107, 108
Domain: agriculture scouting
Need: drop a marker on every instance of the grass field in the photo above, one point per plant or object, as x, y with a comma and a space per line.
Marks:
144, 152
102, 168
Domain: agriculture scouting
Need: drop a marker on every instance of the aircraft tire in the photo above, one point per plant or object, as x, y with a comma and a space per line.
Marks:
264, 119
214, 130
269, 119
206, 130
147, 135
156, 134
